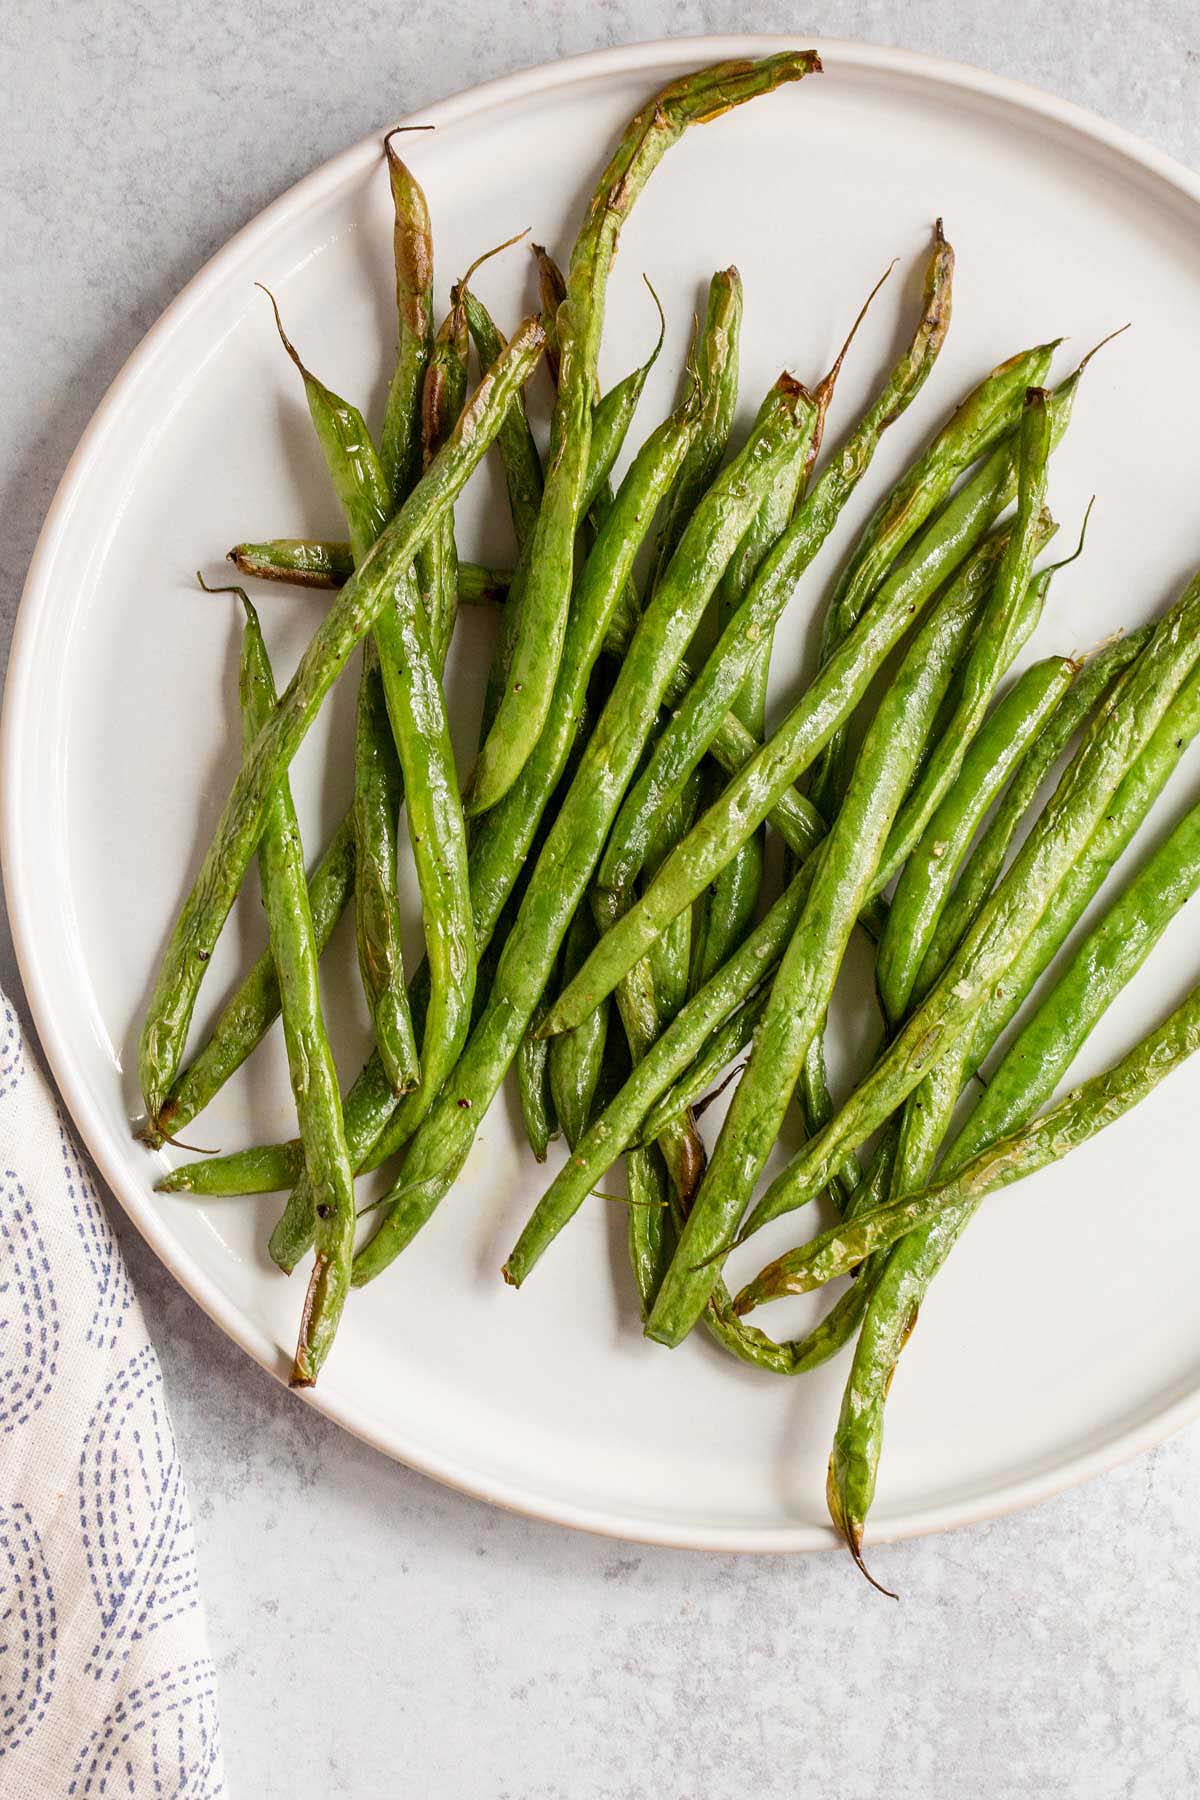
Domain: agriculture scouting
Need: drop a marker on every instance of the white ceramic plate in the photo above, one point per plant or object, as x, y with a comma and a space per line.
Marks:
1042, 1355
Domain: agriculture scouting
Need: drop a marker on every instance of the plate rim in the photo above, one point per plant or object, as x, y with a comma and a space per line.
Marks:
1148, 1429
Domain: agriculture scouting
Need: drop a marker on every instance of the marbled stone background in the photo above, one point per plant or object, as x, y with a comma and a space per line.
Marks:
376, 1634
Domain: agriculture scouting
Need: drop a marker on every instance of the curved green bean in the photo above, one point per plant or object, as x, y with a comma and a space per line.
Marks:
546, 595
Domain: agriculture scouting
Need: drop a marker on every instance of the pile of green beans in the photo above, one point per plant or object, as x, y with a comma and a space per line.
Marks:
598, 905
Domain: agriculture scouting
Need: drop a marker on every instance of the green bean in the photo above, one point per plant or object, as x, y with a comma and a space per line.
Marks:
649, 1231
713, 365
537, 1102
362, 489
986, 414
1108, 958
983, 867
611, 419
347, 620
1045, 861
713, 368
932, 1219
648, 998
547, 591
518, 451
322, 563
310, 1059
993, 755
830, 699
378, 792
269, 1168
302, 562
724, 913
577, 1057
443, 397
573, 846
400, 443
671, 955
691, 730
816, 1104
695, 1087
845, 867
437, 834
247, 1017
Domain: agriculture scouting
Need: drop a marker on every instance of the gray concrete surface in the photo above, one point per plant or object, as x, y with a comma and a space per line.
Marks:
378, 1635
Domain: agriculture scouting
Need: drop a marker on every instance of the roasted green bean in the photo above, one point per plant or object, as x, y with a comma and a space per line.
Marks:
547, 590
400, 442
310, 1059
